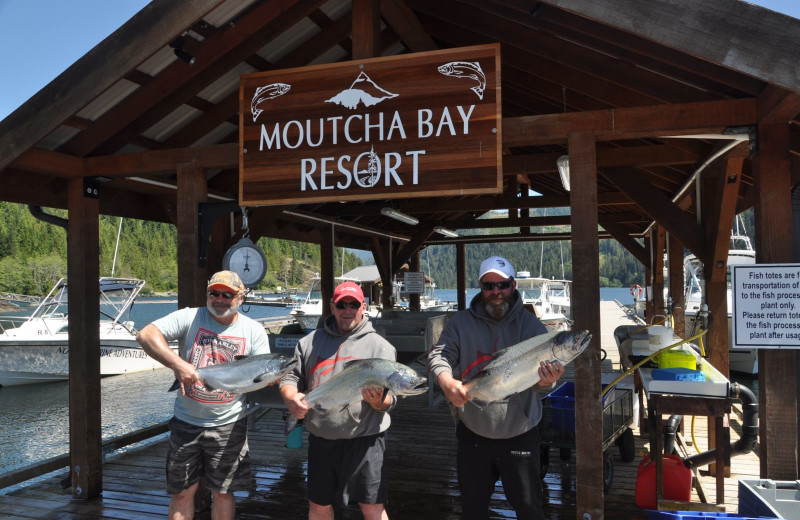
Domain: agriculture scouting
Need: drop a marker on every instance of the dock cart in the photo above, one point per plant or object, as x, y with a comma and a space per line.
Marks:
557, 427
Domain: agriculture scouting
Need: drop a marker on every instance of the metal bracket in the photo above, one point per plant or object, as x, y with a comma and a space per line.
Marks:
207, 214
91, 187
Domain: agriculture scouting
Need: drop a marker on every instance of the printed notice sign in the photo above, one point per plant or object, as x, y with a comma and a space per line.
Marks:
414, 283
765, 306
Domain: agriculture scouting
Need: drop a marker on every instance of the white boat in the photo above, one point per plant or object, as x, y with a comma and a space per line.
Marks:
37, 351
548, 304
741, 252
308, 311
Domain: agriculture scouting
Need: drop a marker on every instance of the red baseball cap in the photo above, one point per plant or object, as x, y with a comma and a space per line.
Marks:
348, 289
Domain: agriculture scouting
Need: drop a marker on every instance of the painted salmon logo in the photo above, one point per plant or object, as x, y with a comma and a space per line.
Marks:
363, 90
266, 93
466, 69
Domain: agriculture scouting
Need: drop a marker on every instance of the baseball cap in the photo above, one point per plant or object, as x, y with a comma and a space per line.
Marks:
226, 280
348, 289
496, 264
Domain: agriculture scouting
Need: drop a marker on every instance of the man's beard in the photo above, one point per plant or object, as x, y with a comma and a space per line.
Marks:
230, 311
495, 310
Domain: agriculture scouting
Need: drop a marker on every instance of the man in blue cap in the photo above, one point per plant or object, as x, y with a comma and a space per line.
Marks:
502, 439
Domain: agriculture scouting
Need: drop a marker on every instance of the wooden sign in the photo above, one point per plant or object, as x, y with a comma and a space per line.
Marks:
416, 125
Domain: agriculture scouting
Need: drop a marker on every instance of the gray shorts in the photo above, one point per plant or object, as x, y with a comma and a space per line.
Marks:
220, 453
340, 470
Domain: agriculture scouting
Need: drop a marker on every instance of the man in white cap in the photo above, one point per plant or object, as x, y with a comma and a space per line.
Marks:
208, 433
502, 439
345, 447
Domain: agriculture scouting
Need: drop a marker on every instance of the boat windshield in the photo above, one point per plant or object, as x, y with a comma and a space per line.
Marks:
116, 299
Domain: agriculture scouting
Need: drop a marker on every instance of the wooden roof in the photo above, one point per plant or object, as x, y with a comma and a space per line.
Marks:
658, 83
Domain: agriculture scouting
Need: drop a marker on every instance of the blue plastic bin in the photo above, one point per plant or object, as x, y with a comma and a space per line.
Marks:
697, 515
562, 401
770, 498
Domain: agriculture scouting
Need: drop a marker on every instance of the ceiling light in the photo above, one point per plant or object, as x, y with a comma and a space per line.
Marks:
398, 215
446, 232
177, 46
563, 170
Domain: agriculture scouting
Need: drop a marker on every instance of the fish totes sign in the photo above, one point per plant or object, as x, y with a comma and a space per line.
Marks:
416, 125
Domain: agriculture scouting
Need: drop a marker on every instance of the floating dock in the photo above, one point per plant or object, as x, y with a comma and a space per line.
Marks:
421, 460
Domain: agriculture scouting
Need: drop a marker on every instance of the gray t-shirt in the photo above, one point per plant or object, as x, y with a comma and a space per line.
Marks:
204, 341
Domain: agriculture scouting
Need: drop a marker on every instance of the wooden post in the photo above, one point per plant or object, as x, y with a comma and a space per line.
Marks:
326, 274
586, 313
675, 270
461, 275
83, 269
414, 299
192, 279
777, 383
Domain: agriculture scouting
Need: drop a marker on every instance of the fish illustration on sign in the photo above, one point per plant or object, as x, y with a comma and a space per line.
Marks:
362, 90
466, 69
266, 93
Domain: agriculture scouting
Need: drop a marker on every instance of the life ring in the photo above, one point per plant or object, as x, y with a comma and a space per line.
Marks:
636, 291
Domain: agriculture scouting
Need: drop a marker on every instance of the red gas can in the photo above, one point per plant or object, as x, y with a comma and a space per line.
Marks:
677, 481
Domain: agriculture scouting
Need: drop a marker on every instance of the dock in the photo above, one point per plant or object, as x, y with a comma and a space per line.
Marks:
421, 461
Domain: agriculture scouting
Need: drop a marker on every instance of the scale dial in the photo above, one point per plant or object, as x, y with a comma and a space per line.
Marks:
246, 260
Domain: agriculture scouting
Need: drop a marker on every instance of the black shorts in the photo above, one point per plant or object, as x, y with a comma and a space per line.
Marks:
344, 469
220, 453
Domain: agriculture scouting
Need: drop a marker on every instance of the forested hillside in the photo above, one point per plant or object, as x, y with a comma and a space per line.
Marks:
33, 256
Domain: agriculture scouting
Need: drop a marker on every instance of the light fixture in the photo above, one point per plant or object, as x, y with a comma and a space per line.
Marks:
399, 215
446, 232
563, 170
177, 46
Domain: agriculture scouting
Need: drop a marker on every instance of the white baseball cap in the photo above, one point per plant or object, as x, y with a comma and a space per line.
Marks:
496, 264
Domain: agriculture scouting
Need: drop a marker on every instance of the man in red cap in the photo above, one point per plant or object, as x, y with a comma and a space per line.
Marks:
208, 433
345, 447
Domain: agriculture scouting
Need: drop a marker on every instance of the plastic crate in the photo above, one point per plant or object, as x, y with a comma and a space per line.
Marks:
770, 498
695, 515
562, 401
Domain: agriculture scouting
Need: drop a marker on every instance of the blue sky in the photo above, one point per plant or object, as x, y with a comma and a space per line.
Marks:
42, 38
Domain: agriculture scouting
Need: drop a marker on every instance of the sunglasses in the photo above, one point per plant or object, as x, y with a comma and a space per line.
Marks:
488, 286
353, 305
225, 294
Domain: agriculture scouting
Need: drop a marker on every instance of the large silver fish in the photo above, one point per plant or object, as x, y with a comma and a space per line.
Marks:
516, 368
345, 387
245, 374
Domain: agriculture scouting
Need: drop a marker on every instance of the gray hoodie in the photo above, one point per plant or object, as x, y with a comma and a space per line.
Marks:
324, 353
466, 346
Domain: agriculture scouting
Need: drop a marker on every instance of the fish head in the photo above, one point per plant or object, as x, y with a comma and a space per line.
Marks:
569, 344
405, 381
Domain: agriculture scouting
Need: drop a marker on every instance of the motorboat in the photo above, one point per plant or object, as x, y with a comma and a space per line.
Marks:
37, 350
741, 252
548, 303
308, 311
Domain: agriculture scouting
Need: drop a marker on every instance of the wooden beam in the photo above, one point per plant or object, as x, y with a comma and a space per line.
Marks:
83, 269
191, 277
777, 377
586, 313
626, 241
406, 24
366, 29
658, 207
149, 30
708, 117
736, 35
